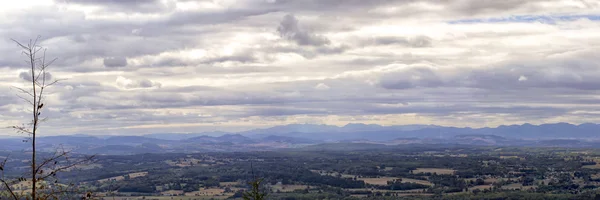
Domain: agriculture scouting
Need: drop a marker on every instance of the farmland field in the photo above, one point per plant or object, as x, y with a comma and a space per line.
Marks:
414, 173
434, 170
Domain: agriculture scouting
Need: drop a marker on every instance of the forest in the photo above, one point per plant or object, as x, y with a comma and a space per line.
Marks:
345, 171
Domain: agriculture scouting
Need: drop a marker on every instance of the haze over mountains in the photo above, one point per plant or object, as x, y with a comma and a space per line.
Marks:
382, 133
301, 135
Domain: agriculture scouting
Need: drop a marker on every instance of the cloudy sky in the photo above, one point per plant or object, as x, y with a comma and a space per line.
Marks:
148, 66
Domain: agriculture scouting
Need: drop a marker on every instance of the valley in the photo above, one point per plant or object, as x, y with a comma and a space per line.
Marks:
351, 171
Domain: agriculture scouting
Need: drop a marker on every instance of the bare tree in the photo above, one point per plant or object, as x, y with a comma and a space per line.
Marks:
44, 184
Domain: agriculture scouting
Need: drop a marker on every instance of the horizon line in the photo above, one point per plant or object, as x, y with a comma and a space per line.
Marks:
241, 132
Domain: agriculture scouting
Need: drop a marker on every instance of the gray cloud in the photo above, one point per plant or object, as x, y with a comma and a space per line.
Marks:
579, 72
122, 5
289, 29
416, 42
476, 7
115, 62
27, 76
274, 111
411, 78
242, 58
411, 8
145, 83
390, 40
111, 2
420, 41
332, 5
216, 17
310, 52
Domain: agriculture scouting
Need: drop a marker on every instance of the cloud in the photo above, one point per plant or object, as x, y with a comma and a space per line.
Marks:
420, 41
575, 70
115, 62
522, 78
133, 84
242, 58
122, 5
27, 76
415, 42
135, 64
322, 86
411, 78
475, 7
290, 29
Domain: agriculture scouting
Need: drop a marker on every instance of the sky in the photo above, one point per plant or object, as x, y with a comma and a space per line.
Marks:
182, 66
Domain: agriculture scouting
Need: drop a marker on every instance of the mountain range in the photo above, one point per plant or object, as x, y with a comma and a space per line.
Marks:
302, 135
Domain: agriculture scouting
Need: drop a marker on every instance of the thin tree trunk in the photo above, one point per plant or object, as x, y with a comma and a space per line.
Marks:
35, 121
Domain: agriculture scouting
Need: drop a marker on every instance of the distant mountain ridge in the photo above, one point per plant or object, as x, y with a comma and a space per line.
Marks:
315, 128
301, 135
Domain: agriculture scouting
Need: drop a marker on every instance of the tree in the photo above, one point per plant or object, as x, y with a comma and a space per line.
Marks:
42, 175
255, 193
479, 181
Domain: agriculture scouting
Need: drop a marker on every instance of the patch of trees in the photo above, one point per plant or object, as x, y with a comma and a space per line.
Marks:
399, 185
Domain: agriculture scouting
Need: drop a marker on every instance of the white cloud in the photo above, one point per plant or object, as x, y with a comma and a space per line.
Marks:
522, 78
126, 83
322, 86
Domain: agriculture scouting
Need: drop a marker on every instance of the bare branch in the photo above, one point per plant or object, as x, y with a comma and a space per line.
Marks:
18, 43
23, 90
36, 41
2, 168
12, 193
49, 160
50, 62
36, 49
44, 119
71, 165
38, 84
21, 129
38, 77
55, 81
24, 99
